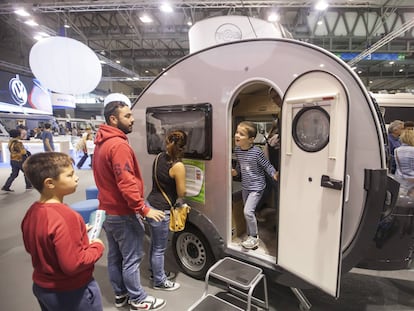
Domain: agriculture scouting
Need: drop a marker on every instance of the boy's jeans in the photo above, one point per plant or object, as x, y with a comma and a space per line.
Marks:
251, 199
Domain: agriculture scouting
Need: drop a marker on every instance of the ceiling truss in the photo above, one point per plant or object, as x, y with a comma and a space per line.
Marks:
113, 30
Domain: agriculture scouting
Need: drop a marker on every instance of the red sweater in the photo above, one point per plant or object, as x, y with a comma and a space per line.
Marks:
56, 238
117, 174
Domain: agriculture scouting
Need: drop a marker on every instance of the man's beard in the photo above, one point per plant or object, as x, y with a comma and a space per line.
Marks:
124, 128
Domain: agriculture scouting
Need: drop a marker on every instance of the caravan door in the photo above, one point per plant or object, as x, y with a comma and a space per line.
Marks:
312, 179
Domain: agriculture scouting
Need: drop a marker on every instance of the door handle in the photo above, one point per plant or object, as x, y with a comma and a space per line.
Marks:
328, 182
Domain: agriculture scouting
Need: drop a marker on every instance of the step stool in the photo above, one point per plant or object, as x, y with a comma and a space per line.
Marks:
238, 276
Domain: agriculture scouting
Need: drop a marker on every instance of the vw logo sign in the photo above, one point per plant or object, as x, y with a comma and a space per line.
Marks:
18, 91
228, 32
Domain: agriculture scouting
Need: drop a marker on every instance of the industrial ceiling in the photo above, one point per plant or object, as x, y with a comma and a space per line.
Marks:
136, 52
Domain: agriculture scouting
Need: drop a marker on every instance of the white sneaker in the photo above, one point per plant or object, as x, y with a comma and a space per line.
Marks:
250, 242
167, 285
149, 303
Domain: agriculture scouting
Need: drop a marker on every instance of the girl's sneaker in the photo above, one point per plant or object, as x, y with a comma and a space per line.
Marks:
167, 285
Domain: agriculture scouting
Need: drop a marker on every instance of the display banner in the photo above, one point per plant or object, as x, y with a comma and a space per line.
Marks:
63, 101
23, 94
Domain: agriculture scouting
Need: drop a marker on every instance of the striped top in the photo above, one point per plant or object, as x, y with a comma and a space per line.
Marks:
252, 165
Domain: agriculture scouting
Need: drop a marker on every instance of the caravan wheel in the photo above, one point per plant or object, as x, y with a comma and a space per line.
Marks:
192, 252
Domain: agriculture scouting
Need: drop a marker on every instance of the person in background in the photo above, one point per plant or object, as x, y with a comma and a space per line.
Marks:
56, 237
47, 137
408, 125
170, 175
90, 146
83, 146
18, 155
23, 132
252, 166
121, 195
404, 157
394, 131
37, 133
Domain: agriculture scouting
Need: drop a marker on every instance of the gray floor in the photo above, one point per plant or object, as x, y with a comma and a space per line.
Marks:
360, 290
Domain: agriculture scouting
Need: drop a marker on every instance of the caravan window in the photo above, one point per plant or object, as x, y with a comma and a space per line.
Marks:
194, 120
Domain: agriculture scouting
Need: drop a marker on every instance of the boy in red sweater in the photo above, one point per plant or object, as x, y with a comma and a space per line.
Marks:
56, 237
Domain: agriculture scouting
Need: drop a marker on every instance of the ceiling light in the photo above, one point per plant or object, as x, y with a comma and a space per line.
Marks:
391, 63
189, 23
22, 12
401, 70
166, 8
31, 23
145, 18
273, 17
320, 23
66, 25
118, 61
321, 5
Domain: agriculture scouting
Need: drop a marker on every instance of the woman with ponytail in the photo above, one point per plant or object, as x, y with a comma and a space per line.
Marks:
169, 174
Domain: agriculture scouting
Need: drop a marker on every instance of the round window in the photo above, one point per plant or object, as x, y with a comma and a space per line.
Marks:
310, 129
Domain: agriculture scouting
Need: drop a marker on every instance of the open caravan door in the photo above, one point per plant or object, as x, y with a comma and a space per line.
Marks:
312, 179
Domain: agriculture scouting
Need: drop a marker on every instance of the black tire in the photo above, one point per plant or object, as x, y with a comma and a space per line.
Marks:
192, 252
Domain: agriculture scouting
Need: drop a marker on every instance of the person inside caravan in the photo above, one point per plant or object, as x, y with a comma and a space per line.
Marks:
271, 151
168, 183
252, 167
18, 155
394, 132
119, 180
272, 146
404, 157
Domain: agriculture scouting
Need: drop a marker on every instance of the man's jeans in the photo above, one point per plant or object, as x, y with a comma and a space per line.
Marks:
125, 235
159, 241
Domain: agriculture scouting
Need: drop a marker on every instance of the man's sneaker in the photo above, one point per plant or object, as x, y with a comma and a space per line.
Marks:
170, 276
250, 242
121, 300
7, 189
149, 303
167, 285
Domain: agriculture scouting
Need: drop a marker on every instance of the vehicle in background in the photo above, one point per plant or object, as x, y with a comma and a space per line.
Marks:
399, 106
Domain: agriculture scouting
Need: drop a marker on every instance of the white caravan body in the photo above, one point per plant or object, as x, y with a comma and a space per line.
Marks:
332, 186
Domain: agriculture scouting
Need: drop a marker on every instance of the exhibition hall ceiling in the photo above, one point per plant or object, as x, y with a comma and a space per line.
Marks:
135, 52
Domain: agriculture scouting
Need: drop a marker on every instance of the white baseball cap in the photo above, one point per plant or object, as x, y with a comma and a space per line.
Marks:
117, 97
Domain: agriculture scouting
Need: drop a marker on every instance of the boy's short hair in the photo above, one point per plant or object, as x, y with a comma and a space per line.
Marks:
44, 165
250, 127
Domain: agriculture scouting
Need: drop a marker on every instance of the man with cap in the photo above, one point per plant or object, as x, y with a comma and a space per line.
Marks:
121, 195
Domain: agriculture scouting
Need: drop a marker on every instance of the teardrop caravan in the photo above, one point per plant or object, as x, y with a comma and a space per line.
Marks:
333, 188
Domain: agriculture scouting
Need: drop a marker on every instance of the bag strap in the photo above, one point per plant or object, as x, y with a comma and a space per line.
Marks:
158, 184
